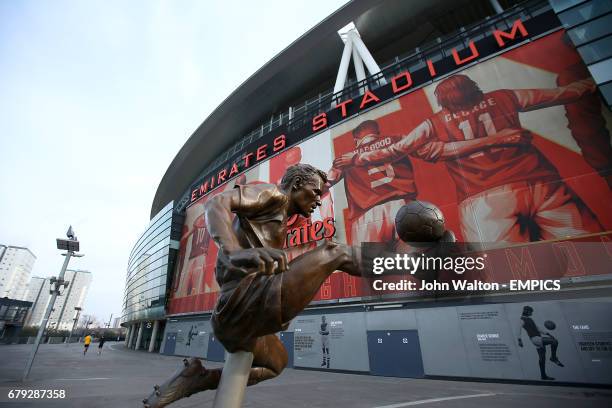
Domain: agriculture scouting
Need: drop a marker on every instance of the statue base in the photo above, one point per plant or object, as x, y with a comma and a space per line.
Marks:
234, 378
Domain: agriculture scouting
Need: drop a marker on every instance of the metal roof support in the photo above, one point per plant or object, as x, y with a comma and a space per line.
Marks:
365, 55
357, 61
353, 45
343, 69
496, 6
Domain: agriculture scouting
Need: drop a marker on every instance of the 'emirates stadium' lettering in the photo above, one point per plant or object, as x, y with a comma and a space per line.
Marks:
400, 83
247, 160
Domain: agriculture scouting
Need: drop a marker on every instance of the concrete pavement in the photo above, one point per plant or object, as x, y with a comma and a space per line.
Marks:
122, 378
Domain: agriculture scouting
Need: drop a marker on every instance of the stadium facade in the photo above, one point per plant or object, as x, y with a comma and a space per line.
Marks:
447, 81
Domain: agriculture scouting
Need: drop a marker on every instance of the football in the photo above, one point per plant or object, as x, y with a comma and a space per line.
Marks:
419, 221
550, 325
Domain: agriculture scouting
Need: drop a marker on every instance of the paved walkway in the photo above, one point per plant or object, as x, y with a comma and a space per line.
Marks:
121, 378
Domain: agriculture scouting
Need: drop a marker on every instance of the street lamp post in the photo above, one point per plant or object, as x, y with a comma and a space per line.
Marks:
71, 246
51, 326
76, 320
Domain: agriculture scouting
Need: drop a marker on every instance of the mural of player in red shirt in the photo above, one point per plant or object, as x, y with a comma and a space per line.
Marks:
375, 192
508, 191
200, 241
280, 163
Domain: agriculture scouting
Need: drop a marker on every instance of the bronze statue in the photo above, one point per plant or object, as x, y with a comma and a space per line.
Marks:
260, 291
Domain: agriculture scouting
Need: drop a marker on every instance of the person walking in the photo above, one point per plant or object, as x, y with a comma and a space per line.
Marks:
101, 344
86, 343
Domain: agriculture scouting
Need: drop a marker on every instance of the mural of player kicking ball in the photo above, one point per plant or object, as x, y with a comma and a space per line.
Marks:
375, 192
193, 331
540, 339
508, 190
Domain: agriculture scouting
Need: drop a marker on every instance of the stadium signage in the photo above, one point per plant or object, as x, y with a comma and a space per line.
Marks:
250, 158
403, 82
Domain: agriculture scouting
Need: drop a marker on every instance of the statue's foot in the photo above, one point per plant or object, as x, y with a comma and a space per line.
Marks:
191, 378
352, 264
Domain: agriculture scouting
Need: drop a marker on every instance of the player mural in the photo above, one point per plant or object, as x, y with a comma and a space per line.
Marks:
495, 167
540, 338
514, 151
324, 332
193, 331
374, 193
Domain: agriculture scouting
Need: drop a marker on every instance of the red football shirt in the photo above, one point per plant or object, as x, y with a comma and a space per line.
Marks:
492, 167
371, 185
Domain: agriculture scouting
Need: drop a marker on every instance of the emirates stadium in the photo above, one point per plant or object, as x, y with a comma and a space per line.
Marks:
497, 112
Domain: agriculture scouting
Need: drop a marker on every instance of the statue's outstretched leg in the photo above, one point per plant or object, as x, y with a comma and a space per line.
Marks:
187, 380
299, 284
306, 274
270, 358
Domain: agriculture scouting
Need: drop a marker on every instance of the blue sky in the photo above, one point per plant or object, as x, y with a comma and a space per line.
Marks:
96, 99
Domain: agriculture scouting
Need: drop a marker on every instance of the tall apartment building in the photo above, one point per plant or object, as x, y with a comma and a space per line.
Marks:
63, 314
16, 263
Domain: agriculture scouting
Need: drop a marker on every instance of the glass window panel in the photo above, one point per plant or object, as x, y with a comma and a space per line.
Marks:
602, 71
585, 12
150, 232
161, 238
596, 50
606, 91
160, 254
560, 5
591, 30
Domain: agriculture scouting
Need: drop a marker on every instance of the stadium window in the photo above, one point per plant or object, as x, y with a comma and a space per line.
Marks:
606, 91
592, 30
585, 12
602, 71
596, 50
